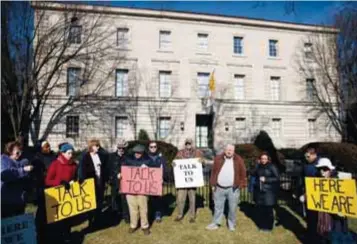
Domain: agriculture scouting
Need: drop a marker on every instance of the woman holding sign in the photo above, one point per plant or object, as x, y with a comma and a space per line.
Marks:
265, 191
61, 172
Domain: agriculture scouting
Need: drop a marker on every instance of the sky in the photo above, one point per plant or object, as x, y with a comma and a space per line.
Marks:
306, 12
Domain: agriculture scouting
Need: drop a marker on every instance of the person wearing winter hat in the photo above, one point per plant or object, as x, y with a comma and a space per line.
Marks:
116, 160
61, 172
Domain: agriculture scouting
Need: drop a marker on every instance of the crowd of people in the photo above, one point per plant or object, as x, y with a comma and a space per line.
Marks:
228, 177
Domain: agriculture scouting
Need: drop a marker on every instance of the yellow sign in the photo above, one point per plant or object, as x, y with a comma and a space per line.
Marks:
62, 203
332, 196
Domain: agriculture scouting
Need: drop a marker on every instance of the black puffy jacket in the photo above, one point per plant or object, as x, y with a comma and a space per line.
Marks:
265, 193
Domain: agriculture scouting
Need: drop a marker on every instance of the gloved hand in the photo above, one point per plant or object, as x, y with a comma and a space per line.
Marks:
302, 198
80, 181
66, 184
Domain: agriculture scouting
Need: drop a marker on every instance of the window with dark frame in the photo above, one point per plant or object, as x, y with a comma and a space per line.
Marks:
238, 45
164, 127
273, 48
310, 89
120, 126
75, 34
72, 126
308, 50
73, 81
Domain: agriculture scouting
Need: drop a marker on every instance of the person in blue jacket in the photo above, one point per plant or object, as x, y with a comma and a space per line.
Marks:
14, 173
158, 161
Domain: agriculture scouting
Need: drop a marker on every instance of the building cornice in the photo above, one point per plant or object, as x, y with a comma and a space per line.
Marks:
196, 17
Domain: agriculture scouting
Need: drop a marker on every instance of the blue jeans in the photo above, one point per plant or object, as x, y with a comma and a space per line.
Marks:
220, 196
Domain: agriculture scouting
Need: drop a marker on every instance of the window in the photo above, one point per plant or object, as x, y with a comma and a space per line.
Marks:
273, 48
165, 83
239, 87
73, 81
203, 80
72, 126
276, 126
240, 126
275, 88
120, 126
202, 41
310, 89
165, 40
164, 127
312, 127
121, 83
75, 33
238, 45
122, 37
308, 50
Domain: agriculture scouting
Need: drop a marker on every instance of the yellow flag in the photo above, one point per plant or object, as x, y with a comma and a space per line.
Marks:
212, 83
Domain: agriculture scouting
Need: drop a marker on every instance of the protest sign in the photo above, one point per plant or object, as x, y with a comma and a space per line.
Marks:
18, 229
62, 203
332, 196
141, 181
188, 173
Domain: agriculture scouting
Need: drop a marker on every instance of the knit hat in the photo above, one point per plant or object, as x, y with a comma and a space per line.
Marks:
122, 143
139, 149
66, 147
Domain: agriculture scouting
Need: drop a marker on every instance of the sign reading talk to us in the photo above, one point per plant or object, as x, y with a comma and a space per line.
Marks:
141, 181
188, 173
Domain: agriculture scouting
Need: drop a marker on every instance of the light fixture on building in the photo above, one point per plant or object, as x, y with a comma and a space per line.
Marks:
182, 126
226, 126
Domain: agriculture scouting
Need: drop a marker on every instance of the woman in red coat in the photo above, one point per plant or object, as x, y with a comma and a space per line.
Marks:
61, 172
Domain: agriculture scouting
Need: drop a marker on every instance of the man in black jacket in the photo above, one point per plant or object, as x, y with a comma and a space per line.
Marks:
116, 160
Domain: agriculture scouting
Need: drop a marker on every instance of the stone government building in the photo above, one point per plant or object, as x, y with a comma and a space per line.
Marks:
257, 84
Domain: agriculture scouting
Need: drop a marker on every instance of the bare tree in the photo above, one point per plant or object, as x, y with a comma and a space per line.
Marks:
328, 62
40, 41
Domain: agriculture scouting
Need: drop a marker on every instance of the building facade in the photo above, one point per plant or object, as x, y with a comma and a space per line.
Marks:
161, 83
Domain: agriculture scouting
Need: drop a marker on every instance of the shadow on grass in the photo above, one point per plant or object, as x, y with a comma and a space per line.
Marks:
286, 219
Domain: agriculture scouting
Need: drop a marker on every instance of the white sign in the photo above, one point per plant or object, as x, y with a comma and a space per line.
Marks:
344, 175
188, 173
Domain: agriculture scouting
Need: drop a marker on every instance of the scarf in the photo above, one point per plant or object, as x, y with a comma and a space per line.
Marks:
324, 223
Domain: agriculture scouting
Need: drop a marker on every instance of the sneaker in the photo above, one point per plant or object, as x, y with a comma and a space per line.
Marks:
192, 220
132, 230
146, 231
158, 220
231, 228
212, 227
178, 218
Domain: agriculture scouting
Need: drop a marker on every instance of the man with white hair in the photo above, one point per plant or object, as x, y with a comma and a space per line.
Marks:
228, 176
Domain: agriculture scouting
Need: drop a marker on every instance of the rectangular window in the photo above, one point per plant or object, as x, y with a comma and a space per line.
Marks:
275, 88
164, 127
203, 81
123, 37
310, 89
276, 126
238, 45
240, 126
312, 127
202, 41
165, 40
308, 50
273, 48
72, 126
165, 83
73, 81
239, 87
121, 82
75, 34
120, 126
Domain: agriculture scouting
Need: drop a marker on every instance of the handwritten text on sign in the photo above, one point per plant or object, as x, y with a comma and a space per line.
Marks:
141, 180
18, 229
62, 203
188, 173
332, 195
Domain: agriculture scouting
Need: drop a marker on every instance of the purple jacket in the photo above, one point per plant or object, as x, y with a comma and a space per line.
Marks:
12, 180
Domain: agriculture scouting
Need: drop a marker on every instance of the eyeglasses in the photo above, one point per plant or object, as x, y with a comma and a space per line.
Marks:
324, 169
153, 147
188, 143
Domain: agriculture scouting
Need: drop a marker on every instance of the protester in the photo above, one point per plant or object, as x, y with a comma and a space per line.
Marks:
41, 162
117, 159
188, 152
265, 192
138, 204
331, 228
61, 172
14, 173
309, 170
158, 161
228, 176
94, 165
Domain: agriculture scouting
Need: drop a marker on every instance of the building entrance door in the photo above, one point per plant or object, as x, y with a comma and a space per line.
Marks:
204, 133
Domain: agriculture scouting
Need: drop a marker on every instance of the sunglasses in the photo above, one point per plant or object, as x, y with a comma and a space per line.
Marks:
188, 143
153, 147
325, 169
120, 148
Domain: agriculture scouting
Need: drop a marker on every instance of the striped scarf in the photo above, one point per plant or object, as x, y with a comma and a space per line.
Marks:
324, 223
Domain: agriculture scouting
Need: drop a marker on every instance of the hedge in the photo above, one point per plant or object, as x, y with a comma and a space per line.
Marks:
343, 155
249, 152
